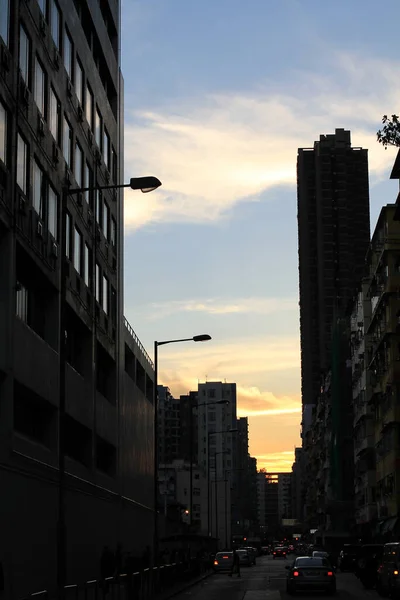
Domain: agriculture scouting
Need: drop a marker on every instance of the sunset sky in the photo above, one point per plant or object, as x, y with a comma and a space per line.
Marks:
219, 95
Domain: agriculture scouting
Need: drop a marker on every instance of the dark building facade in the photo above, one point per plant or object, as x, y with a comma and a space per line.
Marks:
61, 127
334, 233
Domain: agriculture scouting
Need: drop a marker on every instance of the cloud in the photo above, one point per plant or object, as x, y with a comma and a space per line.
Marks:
254, 402
219, 306
276, 461
231, 147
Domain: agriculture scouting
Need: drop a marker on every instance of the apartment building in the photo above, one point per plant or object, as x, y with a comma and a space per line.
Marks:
169, 426
61, 124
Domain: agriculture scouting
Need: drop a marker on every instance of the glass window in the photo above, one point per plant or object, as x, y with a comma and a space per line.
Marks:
3, 133
98, 283
89, 106
55, 24
40, 87
55, 116
24, 54
4, 19
68, 234
37, 189
79, 81
105, 294
106, 148
97, 130
87, 265
42, 6
22, 302
68, 54
52, 215
22, 164
98, 207
106, 220
88, 181
113, 233
77, 251
78, 165
67, 142
114, 166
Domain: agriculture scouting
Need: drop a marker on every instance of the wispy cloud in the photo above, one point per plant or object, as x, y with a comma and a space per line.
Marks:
227, 148
219, 306
276, 461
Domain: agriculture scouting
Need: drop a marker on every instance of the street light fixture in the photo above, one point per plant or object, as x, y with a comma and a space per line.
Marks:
196, 338
145, 184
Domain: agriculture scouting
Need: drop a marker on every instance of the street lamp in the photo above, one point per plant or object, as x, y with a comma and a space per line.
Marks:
145, 184
196, 338
210, 433
192, 406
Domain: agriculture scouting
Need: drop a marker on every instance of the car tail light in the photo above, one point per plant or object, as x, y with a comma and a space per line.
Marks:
215, 562
283, 553
295, 573
274, 552
330, 573
225, 557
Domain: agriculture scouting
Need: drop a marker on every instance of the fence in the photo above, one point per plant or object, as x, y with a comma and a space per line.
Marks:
142, 585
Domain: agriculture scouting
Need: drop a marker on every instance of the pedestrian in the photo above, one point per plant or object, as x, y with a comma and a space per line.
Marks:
235, 564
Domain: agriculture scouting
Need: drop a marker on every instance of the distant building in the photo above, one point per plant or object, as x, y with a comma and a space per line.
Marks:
297, 488
169, 426
274, 502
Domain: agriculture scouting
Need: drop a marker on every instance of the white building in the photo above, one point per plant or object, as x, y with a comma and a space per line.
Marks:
217, 453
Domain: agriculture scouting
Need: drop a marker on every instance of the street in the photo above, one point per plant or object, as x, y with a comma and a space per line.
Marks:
267, 581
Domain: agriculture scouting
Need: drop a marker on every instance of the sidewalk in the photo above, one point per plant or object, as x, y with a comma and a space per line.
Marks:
181, 587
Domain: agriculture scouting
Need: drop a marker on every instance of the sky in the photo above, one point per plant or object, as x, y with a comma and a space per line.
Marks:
219, 95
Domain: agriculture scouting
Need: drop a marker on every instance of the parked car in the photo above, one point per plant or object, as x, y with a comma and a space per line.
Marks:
265, 550
388, 581
245, 557
369, 560
320, 554
223, 561
279, 552
310, 573
348, 557
252, 553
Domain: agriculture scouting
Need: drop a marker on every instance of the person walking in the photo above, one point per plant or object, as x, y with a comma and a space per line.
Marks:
235, 564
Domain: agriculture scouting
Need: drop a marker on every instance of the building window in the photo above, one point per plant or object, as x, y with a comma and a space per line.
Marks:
37, 188
40, 87
97, 283
52, 216
87, 266
105, 294
55, 24
97, 128
88, 181
79, 81
78, 251
78, 165
98, 207
113, 233
42, 6
67, 142
68, 234
68, 50
24, 54
3, 133
21, 308
106, 149
89, 106
4, 19
114, 166
106, 220
22, 163
55, 116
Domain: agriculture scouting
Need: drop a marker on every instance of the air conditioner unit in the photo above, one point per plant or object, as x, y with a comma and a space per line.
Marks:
54, 249
80, 113
56, 153
39, 228
69, 88
5, 58
56, 58
41, 125
42, 26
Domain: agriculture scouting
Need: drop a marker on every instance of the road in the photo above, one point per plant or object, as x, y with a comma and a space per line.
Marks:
267, 581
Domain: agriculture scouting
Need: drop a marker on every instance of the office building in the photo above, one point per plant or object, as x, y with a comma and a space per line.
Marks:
334, 233
61, 127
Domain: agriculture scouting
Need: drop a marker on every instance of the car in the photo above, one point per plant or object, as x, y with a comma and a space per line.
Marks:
368, 562
252, 552
388, 583
320, 554
279, 552
223, 561
245, 558
265, 550
310, 573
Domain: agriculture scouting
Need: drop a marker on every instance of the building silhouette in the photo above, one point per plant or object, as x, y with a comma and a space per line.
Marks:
61, 127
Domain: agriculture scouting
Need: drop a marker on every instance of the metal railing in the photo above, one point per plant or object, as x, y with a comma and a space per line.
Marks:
149, 584
138, 342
